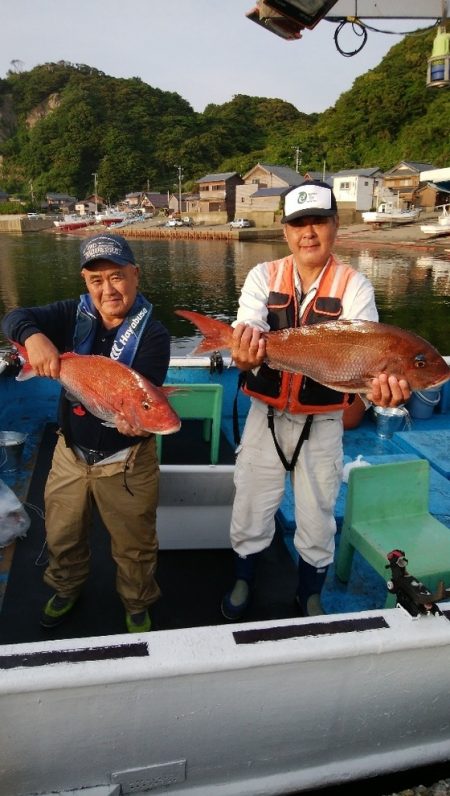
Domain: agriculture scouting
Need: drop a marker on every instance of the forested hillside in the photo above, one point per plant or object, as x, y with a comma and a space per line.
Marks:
60, 123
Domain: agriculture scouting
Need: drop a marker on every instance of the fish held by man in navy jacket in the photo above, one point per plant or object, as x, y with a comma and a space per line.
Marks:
111, 391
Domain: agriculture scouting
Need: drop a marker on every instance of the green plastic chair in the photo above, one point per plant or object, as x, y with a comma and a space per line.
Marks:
387, 508
199, 402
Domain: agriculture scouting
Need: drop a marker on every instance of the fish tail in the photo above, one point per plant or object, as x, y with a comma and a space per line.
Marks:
218, 335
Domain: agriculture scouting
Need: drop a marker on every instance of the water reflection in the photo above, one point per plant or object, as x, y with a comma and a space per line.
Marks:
412, 291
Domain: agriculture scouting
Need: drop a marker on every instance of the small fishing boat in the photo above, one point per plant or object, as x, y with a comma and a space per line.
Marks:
73, 221
109, 217
388, 213
442, 226
272, 705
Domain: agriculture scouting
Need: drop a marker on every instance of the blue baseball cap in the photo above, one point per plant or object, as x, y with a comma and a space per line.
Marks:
106, 247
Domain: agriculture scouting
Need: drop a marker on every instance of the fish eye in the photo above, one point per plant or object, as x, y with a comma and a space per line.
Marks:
145, 405
420, 361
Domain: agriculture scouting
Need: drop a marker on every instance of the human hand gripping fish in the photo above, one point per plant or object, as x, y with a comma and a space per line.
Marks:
349, 356
110, 390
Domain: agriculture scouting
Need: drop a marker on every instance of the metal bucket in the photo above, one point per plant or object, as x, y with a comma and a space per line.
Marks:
11, 448
390, 419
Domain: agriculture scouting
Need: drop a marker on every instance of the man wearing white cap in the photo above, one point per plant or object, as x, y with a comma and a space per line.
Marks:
295, 424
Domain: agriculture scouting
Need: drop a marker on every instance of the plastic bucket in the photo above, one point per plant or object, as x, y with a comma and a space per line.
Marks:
421, 404
11, 448
390, 419
444, 404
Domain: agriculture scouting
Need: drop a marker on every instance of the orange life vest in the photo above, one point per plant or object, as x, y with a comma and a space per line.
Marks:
295, 392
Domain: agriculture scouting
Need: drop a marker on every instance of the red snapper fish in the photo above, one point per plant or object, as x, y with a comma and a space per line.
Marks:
111, 391
343, 355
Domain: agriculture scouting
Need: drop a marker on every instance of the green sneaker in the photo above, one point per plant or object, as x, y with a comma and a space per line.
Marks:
56, 610
138, 623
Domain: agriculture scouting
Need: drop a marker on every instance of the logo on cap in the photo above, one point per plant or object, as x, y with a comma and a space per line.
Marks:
302, 197
106, 247
101, 248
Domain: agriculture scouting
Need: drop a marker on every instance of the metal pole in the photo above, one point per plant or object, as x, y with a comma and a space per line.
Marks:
179, 187
95, 175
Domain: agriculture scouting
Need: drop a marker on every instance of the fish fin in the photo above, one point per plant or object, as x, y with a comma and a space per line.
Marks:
218, 335
168, 389
349, 386
108, 424
21, 349
26, 373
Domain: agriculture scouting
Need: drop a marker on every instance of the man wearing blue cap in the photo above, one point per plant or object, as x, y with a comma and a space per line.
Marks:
116, 468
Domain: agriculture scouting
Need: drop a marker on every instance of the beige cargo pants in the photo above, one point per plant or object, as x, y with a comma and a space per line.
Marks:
126, 495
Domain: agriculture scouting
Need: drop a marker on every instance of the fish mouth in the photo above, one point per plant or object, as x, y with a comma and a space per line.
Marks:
437, 383
170, 430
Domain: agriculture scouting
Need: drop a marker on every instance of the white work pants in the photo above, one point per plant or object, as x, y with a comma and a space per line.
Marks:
260, 480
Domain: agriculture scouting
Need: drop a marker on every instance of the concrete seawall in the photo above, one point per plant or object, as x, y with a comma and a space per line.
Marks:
22, 223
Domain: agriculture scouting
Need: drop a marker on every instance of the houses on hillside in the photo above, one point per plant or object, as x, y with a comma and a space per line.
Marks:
262, 189
257, 194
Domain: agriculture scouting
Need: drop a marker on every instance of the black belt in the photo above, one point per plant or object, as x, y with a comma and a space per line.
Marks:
92, 457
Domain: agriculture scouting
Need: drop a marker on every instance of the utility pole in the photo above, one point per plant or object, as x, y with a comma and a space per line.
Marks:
95, 176
180, 177
298, 160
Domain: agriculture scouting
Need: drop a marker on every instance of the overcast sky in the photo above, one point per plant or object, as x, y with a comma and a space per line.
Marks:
205, 50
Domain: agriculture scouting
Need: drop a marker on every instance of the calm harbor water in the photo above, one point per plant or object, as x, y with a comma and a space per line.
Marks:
412, 290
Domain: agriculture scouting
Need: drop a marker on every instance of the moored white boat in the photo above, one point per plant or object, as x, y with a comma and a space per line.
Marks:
109, 216
442, 226
268, 706
386, 213
73, 221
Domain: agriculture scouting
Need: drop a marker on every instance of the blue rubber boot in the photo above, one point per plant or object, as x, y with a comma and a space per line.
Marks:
236, 601
310, 582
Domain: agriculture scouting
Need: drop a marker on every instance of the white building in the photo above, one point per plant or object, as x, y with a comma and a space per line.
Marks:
355, 189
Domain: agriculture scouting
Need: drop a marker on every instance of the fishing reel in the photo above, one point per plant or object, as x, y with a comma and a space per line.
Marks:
216, 362
411, 594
